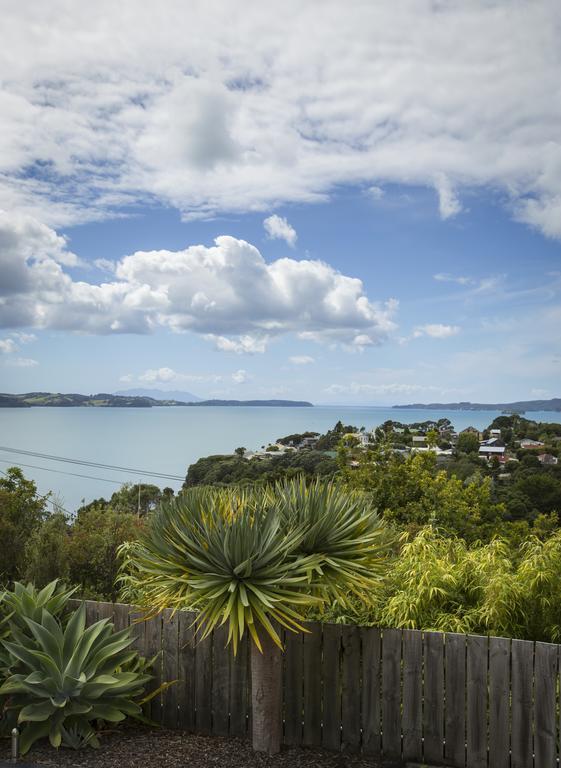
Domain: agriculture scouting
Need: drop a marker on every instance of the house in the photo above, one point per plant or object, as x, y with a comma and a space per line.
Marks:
547, 459
492, 447
363, 438
308, 442
419, 440
472, 431
527, 443
495, 432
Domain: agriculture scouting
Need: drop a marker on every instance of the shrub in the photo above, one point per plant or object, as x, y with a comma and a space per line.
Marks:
67, 679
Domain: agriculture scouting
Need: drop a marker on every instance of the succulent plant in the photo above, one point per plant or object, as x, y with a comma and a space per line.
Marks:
70, 677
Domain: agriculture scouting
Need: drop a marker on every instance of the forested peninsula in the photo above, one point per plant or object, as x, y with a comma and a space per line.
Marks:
554, 404
104, 400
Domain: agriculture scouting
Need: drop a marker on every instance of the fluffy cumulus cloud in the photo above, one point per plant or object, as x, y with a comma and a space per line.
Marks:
169, 375
211, 113
278, 228
227, 293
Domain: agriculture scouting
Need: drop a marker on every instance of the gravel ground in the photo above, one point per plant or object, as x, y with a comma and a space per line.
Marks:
158, 748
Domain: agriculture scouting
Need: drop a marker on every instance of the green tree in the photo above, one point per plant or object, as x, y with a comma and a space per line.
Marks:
431, 438
468, 442
22, 512
240, 452
46, 551
411, 493
92, 546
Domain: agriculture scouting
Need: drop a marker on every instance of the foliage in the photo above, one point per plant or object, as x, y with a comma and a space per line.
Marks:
411, 492
69, 678
138, 499
22, 512
468, 442
222, 471
83, 550
248, 558
438, 582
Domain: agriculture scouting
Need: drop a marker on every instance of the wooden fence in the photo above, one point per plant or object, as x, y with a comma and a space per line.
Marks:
438, 698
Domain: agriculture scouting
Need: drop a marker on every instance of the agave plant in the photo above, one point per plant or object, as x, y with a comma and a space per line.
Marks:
69, 678
251, 559
25, 601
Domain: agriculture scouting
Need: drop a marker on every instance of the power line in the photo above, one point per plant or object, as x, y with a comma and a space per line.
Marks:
83, 462
62, 472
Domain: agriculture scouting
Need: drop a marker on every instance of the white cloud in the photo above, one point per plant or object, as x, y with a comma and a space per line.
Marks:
448, 202
24, 338
375, 193
22, 362
209, 114
301, 359
356, 388
167, 375
160, 375
239, 377
7, 346
443, 277
227, 293
278, 228
436, 330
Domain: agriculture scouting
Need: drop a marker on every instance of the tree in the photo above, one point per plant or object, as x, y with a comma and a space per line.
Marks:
411, 493
240, 452
92, 548
256, 560
22, 512
431, 438
46, 551
468, 442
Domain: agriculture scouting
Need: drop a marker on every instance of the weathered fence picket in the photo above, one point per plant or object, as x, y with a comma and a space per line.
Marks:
439, 698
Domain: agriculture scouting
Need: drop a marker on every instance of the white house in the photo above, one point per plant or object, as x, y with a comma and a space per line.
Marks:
492, 447
527, 443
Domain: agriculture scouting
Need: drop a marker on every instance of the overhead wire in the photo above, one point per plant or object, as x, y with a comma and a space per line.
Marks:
83, 462
62, 472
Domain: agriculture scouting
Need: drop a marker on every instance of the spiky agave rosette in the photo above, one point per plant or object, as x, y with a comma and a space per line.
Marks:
69, 678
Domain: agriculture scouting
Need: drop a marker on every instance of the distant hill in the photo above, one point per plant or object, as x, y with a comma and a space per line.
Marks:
103, 400
160, 394
59, 400
522, 405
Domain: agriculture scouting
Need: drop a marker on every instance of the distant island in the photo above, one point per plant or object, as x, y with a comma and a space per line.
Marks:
104, 400
518, 407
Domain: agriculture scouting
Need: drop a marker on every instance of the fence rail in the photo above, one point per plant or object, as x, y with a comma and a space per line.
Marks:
441, 698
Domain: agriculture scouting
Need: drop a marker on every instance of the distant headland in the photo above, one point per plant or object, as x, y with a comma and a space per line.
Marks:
518, 407
104, 400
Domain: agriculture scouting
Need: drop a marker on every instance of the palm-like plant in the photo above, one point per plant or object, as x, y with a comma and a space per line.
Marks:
254, 559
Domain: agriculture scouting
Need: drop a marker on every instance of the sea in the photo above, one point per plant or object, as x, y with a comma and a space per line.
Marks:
131, 443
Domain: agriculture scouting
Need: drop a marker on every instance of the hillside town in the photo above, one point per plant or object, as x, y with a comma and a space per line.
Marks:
499, 444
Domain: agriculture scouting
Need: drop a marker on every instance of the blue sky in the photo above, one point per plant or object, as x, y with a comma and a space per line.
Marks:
265, 220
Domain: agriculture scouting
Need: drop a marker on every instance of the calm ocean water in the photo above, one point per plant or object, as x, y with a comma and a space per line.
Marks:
169, 439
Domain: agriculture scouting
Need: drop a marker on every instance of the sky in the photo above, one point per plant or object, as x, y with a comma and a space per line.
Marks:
340, 202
